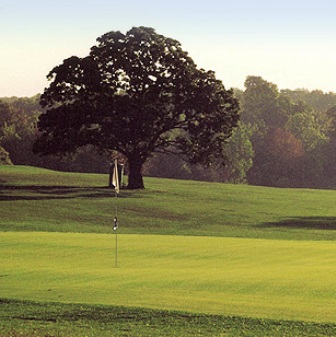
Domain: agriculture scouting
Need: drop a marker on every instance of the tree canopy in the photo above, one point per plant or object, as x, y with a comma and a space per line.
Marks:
136, 94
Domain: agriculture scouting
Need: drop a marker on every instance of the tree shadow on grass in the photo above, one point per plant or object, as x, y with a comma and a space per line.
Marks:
49, 192
317, 222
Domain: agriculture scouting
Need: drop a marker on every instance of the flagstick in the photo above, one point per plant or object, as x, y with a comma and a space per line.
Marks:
116, 230
115, 180
116, 252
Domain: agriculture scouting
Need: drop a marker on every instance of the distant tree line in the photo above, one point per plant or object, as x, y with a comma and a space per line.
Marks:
294, 145
18, 132
285, 138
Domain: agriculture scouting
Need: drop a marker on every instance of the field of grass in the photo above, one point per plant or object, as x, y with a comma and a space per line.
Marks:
231, 276
194, 258
81, 203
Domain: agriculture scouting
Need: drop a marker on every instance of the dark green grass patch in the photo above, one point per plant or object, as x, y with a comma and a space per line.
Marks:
20, 318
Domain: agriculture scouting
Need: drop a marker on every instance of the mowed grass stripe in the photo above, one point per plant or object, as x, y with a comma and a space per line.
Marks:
275, 279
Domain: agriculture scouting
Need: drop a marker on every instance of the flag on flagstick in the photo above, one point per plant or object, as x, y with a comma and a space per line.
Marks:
115, 177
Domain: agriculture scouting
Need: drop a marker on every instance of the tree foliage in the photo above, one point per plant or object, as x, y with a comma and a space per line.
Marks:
18, 117
262, 105
331, 122
136, 94
307, 126
240, 154
278, 160
316, 99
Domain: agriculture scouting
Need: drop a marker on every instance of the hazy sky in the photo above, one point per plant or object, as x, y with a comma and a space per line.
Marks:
291, 43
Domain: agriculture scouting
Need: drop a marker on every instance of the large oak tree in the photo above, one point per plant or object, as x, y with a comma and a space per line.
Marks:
136, 94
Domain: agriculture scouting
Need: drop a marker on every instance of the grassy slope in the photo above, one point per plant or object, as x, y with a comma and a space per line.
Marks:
80, 203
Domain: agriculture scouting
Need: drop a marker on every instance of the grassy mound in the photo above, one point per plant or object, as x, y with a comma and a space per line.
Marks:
81, 203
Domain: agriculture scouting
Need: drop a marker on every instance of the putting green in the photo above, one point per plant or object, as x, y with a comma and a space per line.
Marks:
246, 277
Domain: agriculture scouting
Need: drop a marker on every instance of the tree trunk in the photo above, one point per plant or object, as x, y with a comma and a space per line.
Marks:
135, 180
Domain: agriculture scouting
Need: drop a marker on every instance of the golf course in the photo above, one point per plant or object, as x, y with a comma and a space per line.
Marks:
189, 258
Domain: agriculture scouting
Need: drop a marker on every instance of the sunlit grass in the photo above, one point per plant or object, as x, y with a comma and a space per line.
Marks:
275, 279
198, 248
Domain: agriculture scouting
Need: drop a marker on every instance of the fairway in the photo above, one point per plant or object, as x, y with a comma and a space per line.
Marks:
276, 279
232, 258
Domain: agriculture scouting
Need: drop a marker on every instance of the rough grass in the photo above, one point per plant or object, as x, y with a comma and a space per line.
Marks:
29, 319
